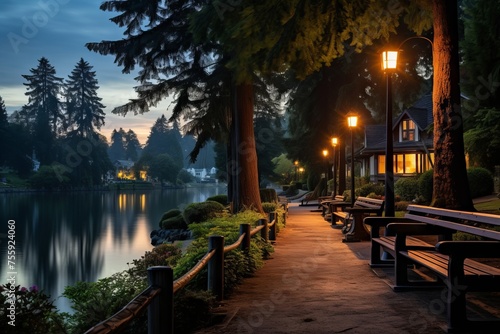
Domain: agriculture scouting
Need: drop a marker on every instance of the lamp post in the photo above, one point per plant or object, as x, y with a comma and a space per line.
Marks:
334, 144
296, 163
325, 154
389, 63
352, 121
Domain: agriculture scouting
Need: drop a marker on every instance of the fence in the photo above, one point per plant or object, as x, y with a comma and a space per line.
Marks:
158, 296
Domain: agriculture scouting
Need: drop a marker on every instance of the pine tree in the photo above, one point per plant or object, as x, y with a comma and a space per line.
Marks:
132, 146
85, 110
4, 124
163, 140
44, 109
117, 149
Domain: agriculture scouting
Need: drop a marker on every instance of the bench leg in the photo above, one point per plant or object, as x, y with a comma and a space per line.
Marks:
357, 231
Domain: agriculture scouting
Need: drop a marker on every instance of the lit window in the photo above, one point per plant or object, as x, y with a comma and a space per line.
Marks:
407, 130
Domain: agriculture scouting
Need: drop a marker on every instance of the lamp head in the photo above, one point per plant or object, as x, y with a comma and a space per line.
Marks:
352, 120
389, 60
335, 141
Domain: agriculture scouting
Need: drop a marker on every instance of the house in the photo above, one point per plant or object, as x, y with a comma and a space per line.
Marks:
125, 170
412, 141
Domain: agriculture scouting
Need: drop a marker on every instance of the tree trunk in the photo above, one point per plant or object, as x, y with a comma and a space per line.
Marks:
451, 189
248, 190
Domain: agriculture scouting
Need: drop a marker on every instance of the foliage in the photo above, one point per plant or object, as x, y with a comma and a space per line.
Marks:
47, 178
170, 214
34, 311
95, 301
192, 310
268, 195
406, 188
284, 168
184, 176
176, 222
164, 168
480, 182
269, 206
222, 199
482, 141
203, 211
401, 206
164, 140
425, 185
369, 188
161, 255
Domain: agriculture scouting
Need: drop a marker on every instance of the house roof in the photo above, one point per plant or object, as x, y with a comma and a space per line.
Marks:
420, 113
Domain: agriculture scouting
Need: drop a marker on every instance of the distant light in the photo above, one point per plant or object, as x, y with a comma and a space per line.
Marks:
325, 153
352, 120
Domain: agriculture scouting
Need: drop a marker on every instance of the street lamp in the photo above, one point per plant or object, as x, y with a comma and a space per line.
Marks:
335, 141
296, 163
352, 121
325, 154
389, 63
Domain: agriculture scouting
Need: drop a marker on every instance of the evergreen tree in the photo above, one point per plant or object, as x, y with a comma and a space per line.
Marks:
84, 107
481, 77
163, 140
44, 109
132, 146
117, 149
4, 124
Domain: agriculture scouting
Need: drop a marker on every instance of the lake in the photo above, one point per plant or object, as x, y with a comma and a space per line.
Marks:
62, 238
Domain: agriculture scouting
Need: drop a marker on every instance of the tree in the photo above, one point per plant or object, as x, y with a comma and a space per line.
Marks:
132, 146
162, 140
164, 168
117, 149
84, 107
480, 81
43, 108
4, 124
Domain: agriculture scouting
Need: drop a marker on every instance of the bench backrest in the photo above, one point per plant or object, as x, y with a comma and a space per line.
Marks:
371, 203
463, 221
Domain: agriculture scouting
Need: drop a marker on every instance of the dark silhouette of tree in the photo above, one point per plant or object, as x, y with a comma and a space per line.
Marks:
84, 107
44, 110
117, 149
132, 146
163, 140
4, 124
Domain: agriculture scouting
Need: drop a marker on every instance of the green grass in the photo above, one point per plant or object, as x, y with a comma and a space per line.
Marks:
489, 207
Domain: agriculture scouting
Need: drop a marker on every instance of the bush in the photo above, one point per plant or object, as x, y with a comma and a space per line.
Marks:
268, 195
222, 199
192, 310
170, 214
365, 190
401, 206
161, 255
269, 207
406, 188
35, 311
201, 212
480, 182
174, 223
425, 184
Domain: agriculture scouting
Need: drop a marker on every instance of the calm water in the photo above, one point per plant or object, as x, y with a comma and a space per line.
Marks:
62, 238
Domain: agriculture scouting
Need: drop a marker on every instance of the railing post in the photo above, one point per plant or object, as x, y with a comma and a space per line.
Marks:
264, 233
245, 229
161, 309
272, 229
216, 266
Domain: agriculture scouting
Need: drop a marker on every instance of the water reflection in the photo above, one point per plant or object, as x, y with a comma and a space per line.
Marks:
83, 236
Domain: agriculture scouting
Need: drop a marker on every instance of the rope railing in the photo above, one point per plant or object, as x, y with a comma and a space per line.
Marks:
158, 296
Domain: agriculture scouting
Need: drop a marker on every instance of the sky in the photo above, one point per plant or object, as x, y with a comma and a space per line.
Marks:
58, 31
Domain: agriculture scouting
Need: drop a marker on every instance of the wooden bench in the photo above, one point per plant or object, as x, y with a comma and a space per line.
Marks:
450, 262
351, 216
324, 203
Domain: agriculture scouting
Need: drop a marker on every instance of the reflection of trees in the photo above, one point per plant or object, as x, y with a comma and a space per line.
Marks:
63, 243
61, 237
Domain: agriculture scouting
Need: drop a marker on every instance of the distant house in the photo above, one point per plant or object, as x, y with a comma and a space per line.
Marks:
202, 174
125, 170
412, 141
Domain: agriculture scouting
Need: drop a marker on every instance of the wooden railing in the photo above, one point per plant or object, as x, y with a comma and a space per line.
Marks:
158, 296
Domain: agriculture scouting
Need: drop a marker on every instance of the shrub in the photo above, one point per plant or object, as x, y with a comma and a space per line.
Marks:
425, 184
268, 195
192, 310
173, 223
406, 188
161, 255
269, 207
376, 188
480, 182
201, 212
222, 199
170, 213
35, 311
400, 206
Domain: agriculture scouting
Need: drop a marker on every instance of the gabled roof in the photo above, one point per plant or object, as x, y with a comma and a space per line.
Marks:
420, 113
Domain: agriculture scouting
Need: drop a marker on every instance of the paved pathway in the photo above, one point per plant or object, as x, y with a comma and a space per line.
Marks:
314, 283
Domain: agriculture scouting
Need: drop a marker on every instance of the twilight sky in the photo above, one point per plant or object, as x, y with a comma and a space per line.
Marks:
58, 31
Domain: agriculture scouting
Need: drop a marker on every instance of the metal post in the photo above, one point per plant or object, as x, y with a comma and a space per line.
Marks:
161, 309
352, 168
389, 158
216, 266
245, 229
334, 174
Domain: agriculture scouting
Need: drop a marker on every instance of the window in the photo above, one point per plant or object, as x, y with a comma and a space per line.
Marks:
407, 130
